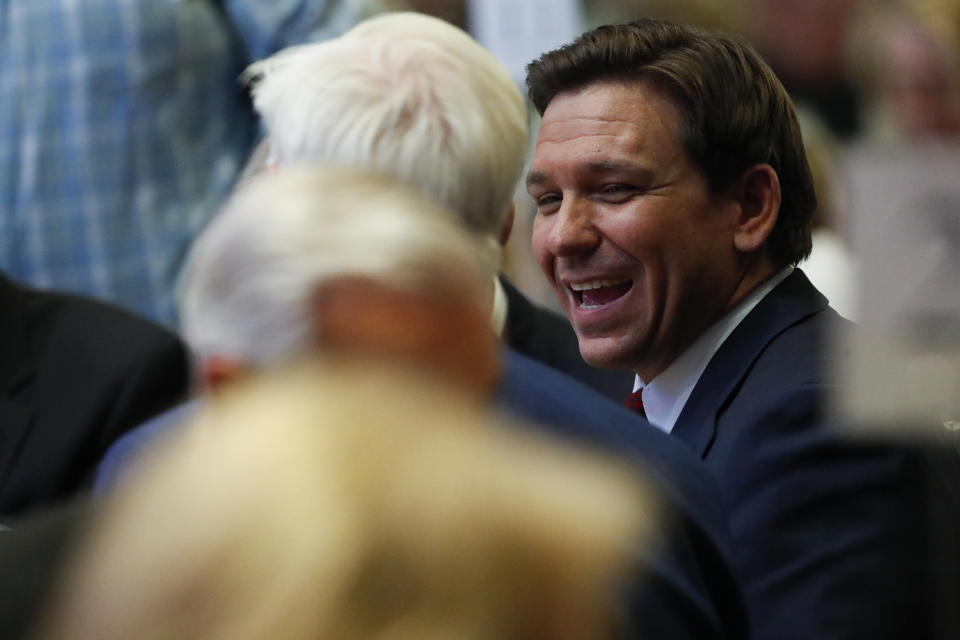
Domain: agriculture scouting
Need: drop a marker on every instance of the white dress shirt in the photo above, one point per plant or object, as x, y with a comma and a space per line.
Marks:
498, 315
665, 395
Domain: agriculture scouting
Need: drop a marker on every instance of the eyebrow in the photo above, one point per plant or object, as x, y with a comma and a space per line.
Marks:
535, 178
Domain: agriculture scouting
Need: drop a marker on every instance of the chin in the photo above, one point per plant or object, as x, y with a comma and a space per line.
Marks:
601, 354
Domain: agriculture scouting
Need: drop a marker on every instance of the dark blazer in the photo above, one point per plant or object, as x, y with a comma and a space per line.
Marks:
689, 588
33, 559
74, 375
548, 338
824, 528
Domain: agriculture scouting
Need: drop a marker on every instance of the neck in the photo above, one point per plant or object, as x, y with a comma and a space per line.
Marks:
755, 274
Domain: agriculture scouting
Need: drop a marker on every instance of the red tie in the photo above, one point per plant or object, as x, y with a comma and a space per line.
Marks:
635, 402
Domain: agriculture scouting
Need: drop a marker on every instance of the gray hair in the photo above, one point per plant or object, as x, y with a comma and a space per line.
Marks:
406, 95
252, 273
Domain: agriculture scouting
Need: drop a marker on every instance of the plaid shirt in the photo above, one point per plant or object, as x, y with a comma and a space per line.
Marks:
122, 128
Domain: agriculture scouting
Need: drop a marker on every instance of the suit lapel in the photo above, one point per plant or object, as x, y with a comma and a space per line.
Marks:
16, 369
518, 328
788, 303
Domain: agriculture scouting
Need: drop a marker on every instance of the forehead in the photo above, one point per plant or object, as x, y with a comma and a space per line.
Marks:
606, 121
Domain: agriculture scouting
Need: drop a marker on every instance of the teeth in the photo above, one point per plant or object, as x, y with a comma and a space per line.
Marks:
595, 284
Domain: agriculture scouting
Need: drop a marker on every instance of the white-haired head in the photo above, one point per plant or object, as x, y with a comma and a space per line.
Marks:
409, 96
253, 274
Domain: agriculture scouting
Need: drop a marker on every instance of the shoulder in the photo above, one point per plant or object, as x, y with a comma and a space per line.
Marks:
563, 406
60, 324
691, 589
542, 393
129, 447
779, 407
110, 363
785, 467
780, 348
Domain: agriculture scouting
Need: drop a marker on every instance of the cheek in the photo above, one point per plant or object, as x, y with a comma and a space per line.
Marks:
630, 235
541, 233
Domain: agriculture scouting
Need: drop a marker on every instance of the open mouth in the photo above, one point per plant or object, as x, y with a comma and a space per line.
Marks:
597, 293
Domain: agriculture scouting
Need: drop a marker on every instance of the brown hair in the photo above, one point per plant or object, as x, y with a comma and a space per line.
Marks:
735, 111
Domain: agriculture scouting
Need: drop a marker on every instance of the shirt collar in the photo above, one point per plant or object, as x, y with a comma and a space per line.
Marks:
665, 395
498, 315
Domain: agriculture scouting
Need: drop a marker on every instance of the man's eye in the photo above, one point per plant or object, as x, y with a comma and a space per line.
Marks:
617, 192
547, 200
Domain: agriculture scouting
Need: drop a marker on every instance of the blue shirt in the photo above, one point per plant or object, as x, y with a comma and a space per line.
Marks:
122, 128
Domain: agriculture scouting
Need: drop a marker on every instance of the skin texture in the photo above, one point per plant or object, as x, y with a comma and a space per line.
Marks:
619, 199
445, 331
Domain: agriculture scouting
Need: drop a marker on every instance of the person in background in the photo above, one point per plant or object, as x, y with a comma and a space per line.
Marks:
122, 129
806, 42
75, 374
914, 69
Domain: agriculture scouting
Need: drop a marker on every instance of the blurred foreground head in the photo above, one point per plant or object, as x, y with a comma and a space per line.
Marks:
411, 97
341, 261
297, 508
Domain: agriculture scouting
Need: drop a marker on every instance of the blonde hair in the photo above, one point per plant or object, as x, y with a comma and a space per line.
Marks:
298, 507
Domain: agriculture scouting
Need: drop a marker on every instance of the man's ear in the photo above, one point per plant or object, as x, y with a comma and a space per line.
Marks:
216, 371
507, 227
758, 194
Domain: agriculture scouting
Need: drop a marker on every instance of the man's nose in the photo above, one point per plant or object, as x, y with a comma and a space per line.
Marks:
573, 231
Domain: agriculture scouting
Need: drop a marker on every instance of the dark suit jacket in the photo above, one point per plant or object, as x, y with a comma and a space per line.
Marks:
825, 528
548, 338
689, 588
32, 561
74, 375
